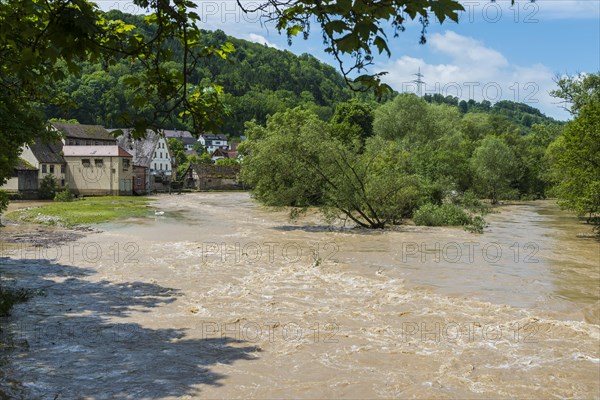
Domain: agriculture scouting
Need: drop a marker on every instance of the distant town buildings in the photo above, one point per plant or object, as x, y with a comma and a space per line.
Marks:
90, 160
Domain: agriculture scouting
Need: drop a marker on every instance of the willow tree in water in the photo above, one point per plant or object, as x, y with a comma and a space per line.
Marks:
297, 160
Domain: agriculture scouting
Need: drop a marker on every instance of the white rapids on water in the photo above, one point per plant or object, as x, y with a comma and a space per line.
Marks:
222, 298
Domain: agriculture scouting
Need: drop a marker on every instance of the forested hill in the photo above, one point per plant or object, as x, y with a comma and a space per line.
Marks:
257, 80
518, 113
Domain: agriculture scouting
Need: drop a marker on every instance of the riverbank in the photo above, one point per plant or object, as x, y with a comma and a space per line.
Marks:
222, 298
85, 211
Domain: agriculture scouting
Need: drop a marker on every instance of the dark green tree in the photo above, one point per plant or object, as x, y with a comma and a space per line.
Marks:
47, 189
177, 151
575, 162
356, 114
296, 161
577, 91
494, 166
3, 201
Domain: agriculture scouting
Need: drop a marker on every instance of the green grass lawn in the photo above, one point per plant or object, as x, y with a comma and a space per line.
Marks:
90, 210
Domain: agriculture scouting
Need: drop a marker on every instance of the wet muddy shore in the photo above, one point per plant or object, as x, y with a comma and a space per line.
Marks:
221, 298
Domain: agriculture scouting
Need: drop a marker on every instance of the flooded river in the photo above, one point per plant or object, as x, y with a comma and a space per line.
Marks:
222, 298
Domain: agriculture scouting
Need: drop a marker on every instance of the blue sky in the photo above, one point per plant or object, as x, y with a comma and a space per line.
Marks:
496, 51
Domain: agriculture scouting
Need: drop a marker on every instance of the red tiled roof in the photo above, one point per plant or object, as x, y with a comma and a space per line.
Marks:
123, 152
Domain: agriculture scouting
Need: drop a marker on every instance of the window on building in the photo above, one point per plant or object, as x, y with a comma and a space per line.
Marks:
43, 168
139, 181
63, 167
161, 154
160, 166
98, 162
85, 162
51, 168
125, 164
62, 182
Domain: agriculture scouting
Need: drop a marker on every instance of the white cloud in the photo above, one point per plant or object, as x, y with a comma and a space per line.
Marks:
474, 71
253, 37
467, 49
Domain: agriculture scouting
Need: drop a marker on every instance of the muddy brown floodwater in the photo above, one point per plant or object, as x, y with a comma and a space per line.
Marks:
221, 298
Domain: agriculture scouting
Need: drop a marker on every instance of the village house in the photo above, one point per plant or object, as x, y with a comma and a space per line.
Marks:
46, 158
140, 180
212, 142
185, 137
212, 177
84, 135
152, 153
99, 170
24, 180
161, 162
218, 154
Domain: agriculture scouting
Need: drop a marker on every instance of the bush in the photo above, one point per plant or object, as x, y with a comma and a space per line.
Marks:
444, 215
64, 196
48, 187
450, 214
471, 202
15, 196
476, 225
227, 162
3, 201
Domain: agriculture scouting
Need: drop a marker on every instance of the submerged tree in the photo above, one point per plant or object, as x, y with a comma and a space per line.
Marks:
296, 160
493, 164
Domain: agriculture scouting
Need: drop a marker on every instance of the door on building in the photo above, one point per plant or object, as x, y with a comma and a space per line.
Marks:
125, 186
